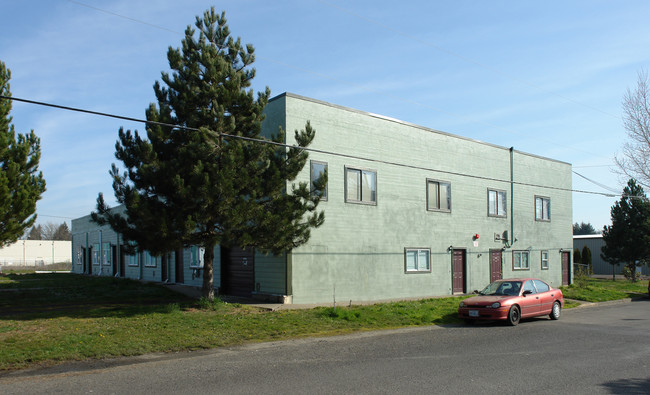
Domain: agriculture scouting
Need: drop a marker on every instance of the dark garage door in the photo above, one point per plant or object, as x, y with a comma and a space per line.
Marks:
237, 271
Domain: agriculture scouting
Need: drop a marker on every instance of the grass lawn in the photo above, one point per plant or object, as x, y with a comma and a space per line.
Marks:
601, 290
48, 318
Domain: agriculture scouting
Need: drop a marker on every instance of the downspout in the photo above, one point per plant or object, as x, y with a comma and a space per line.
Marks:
512, 197
118, 259
101, 255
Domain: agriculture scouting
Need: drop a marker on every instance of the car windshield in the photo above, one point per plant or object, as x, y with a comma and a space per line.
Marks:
502, 288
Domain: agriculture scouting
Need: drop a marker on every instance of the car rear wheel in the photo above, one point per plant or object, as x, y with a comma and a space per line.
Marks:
555, 311
514, 315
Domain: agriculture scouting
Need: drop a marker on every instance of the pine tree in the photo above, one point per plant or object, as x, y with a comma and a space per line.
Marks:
627, 239
585, 259
206, 182
577, 257
36, 233
21, 184
62, 233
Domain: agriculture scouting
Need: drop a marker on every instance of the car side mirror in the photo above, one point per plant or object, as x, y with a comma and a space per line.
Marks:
528, 292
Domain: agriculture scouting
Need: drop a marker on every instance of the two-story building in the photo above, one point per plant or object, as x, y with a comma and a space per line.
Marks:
410, 212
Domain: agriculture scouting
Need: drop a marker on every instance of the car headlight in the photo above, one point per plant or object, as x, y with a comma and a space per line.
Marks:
496, 305
461, 305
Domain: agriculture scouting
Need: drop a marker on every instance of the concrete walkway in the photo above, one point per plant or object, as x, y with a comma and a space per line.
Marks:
195, 293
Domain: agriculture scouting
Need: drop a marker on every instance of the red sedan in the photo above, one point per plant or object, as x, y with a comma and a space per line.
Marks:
513, 299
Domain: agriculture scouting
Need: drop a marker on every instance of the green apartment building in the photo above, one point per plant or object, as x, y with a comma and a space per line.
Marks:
410, 212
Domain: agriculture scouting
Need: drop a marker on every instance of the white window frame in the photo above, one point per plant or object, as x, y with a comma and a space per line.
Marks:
544, 258
438, 197
418, 254
133, 260
197, 257
313, 178
80, 255
497, 213
542, 208
361, 198
518, 260
107, 254
96, 254
149, 260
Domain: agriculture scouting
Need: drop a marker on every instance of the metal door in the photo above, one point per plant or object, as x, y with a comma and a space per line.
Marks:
496, 271
566, 273
458, 271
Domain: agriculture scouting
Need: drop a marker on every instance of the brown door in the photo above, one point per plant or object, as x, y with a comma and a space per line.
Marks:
84, 259
566, 258
178, 264
163, 267
237, 271
458, 271
114, 258
122, 262
496, 271
89, 267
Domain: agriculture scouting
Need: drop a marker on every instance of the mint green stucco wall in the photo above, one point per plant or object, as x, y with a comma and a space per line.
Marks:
358, 254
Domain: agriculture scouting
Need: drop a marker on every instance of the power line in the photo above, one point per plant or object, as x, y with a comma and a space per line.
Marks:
596, 183
325, 152
398, 98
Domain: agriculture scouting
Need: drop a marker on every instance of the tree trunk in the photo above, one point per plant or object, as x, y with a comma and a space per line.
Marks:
208, 271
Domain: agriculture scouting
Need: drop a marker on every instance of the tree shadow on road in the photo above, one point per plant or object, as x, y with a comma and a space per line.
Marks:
628, 386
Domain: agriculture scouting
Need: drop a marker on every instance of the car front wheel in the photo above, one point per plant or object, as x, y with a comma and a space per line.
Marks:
514, 316
555, 312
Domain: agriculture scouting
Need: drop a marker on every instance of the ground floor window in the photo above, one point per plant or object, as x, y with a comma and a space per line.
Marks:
417, 260
545, 260
196, 256
96, 254
133, 260
149, 260
107, 256
520, 260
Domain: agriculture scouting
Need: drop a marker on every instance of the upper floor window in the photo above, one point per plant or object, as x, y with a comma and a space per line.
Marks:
438, 195
318, 170
497, 203
360, 186
542, 208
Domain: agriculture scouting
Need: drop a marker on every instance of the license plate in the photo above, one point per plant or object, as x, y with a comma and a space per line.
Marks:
473, 313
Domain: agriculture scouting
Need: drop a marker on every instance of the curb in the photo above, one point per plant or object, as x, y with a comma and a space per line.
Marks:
584, 304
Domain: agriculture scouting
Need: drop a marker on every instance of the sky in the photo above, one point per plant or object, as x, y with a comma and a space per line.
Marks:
546, 78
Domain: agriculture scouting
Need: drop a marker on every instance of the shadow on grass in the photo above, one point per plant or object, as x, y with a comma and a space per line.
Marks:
38, 296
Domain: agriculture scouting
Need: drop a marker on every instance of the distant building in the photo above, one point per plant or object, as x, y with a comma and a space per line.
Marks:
599, 265
410, 212
36, 253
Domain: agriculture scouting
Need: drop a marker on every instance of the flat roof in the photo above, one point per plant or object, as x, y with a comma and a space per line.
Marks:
424, 128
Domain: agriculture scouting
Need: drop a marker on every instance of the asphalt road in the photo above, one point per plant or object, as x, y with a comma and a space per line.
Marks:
595, 350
